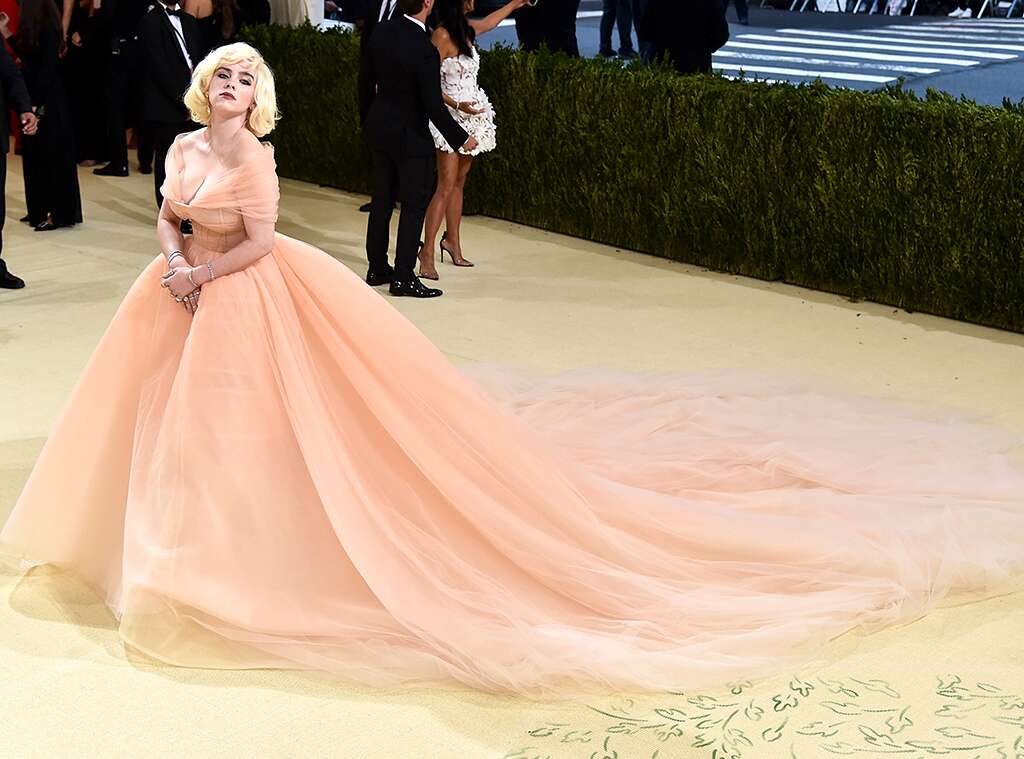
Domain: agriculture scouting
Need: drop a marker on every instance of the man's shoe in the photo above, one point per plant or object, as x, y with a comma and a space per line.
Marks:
145, 169
413, 288
374, 278
365, 207
628, 54
7, 280
110, 170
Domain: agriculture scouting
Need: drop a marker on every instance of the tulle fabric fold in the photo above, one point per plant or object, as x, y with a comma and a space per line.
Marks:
297, 477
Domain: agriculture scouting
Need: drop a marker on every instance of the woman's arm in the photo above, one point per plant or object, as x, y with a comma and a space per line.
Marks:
168, 233
487, 23
258, 242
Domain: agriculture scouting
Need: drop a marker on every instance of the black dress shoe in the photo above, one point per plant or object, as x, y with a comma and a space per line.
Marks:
46, 226
365, 207
145, 169
27, 220
413, 288
110, 170
7, 280
375, 278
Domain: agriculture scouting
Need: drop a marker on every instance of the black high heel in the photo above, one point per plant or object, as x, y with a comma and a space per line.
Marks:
444, 250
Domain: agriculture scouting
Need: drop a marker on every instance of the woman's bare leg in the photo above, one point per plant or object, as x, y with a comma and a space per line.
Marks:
447, 176
453, 213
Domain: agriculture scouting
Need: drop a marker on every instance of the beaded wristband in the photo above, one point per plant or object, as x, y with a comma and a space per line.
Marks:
209, 268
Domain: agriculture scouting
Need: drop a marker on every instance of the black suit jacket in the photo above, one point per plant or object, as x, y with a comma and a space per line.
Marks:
688, 30
13, 94
405, 68
366, 13
165, 72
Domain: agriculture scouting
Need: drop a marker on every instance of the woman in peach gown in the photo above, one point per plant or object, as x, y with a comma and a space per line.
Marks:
282, 471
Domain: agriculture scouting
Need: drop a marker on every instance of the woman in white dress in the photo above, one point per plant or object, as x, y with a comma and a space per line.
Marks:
455, 38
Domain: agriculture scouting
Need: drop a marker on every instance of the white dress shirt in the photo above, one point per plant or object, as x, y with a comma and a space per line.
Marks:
416, 21
386, 9
179, 32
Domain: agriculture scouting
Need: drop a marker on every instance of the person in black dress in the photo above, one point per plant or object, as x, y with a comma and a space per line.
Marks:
13, 94
48, 157
170, 46
405, 70
82, 71
220, 21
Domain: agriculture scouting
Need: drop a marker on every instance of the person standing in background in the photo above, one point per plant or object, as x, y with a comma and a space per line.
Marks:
220, 21
407, 68
170, 44
617, 13
118, 24
13, 93
686, 32
549, 23
48, 157
742, 12
81, 69
367, 15
643, 36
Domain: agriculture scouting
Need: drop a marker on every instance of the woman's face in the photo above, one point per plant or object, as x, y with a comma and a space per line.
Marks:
232, 89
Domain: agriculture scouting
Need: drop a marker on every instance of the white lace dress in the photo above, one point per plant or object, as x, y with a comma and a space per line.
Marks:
459, 82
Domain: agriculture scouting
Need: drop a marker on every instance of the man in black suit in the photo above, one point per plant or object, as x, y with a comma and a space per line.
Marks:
688, 31
170, 47
117, 21
405, 69
366, 15
13, 92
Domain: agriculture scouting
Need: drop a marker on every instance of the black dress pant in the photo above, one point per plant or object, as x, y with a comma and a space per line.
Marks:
408, 180
118, 78
162, 137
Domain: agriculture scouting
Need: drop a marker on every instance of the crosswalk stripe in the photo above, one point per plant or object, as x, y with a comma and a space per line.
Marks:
853, 54
825, 62
848, 76
930, 43
925, 35
873, 46
975, 26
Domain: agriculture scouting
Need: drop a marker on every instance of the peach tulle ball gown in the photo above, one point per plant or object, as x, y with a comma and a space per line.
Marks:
296, 477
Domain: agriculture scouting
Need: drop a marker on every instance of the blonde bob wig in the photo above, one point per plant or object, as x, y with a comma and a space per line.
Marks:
263, 115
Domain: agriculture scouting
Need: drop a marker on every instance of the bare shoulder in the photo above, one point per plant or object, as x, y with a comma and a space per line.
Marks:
443, 42
188, 140
250, 150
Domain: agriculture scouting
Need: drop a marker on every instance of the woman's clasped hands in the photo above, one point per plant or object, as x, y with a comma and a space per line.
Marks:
179, 281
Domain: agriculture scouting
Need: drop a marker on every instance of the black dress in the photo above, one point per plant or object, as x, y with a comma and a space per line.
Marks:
82, 72
48, 157
245, 13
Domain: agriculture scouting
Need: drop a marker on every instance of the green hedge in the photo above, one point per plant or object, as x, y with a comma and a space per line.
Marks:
882, 196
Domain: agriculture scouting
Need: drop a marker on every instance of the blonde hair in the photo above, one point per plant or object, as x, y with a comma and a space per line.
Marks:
263, 115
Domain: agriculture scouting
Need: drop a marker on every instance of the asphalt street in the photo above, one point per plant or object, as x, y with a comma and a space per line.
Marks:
981, 59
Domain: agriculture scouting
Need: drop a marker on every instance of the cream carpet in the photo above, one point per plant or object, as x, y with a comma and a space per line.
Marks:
949, 684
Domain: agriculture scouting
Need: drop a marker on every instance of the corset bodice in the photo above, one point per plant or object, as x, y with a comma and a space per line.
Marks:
459, 75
